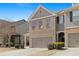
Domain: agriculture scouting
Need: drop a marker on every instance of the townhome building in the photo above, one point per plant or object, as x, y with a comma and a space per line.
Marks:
46, 26
72, 26
5, 30
42, 27
9, 29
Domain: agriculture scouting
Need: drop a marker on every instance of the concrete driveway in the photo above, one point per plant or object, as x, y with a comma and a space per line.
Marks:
22, 52
6, 49
68, 52
40, 52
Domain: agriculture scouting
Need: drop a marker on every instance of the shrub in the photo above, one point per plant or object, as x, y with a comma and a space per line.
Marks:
58, 45
50, 46
17, 47
55, 45
22, 46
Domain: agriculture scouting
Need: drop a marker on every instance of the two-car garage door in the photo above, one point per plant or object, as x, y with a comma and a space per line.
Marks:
73, 40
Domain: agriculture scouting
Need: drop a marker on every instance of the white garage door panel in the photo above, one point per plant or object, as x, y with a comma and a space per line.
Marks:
73, 40
40, 42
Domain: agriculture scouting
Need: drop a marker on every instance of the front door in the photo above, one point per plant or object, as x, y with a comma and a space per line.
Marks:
61, 37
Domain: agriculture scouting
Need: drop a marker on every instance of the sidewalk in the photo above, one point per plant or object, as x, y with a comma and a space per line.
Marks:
44, 53
68, 52
22, 52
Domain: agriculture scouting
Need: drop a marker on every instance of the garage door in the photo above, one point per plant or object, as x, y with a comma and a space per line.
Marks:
41, 42
73, 40
1, 38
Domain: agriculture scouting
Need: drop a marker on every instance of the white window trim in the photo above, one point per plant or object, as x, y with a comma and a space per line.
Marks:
72, 27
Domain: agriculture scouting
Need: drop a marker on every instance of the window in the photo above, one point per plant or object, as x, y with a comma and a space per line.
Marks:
69, 16
12, 26
48, 23
76, 15
41, 14
33, 25
40, 26
38, 14
61, 19
40, 11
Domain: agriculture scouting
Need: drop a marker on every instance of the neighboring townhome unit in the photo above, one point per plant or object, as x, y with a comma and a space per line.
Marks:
42, 28
72, 26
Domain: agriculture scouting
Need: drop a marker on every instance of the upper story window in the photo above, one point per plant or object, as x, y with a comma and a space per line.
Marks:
60, 19
48, 22
76, 15
41, 14
69, 16
33, 24
40, 25
12, 26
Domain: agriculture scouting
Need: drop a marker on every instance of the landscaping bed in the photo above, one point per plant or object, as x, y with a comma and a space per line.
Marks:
55, 45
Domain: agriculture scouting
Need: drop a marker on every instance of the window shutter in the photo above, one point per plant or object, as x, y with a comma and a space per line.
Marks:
71, 16
63, 19
57, 20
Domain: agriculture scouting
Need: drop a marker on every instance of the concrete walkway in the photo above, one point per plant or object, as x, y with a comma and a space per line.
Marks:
39, 52
68, 52
44, 53
22, 52
6, 49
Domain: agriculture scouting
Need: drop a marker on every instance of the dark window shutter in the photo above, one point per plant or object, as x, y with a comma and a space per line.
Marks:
63, 18
57, 20
71, 16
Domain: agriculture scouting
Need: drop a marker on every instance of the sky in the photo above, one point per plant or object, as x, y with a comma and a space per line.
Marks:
19, 11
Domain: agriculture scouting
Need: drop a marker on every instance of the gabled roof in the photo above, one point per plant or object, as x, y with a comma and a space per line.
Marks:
2, 20
40, 6
4, 23
19, 22
69, 9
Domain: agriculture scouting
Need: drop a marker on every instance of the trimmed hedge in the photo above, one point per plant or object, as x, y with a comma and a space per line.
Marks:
55, 45
22, 46
50, 46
